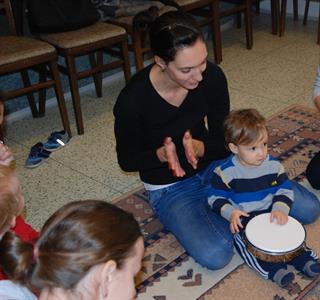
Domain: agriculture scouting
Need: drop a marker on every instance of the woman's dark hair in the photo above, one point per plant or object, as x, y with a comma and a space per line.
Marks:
78, 236
171, 32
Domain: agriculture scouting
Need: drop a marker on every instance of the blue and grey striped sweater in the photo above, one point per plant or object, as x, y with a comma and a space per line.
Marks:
235, 186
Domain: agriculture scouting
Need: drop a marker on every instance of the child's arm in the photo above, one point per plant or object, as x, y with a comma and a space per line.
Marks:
219, 194
283, 196
235, 220
283, 193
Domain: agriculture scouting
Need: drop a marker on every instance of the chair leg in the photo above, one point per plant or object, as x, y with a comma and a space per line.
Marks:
306, 12
73, 81
295, 10
239, 19
216, 31
248, 24
283, 13
1, 120
318, 39
258, 8
42, 92
125, 58
60, 97
97, 77
275, 15
137, 48
30, 96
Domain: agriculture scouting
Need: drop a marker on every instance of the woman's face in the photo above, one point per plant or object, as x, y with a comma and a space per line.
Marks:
189, 64
122, 285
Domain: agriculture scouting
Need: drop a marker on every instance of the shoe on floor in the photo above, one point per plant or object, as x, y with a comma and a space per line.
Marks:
56, 140
37, 155
283, 277
311, 268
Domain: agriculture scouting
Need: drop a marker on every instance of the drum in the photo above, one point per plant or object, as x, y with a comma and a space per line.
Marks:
272, 242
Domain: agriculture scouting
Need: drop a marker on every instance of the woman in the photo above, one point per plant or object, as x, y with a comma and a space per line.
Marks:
86, 250
313, 168
168, 126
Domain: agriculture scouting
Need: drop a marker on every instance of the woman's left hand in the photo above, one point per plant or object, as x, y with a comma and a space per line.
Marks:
193, 149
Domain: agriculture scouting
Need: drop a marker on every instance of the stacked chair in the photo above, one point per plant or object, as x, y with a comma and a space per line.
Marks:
19, 54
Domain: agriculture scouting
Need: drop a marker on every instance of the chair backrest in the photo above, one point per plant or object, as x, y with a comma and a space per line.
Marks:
5, 6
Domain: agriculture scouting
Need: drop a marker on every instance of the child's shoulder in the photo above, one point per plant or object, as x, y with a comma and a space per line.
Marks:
225, 163
25, 231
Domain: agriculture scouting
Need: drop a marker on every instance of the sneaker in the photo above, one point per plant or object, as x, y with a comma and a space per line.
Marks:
37, 155
56, 140
283, 277
311, 269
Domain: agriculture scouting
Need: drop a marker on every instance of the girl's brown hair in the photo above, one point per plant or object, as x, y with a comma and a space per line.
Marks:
244, 126
75, 238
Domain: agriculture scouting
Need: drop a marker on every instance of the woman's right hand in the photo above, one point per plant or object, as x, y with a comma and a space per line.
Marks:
168, 153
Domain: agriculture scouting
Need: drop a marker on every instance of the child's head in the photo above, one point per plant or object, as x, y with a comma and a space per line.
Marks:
246, 136
11, 199
86, 250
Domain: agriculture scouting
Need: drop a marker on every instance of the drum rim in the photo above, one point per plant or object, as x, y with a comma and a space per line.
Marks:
302, 245
274, 252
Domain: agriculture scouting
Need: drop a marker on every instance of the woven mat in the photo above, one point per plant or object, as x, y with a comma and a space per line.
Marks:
169, 273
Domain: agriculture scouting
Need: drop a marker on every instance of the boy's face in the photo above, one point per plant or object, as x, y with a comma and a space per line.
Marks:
254, 154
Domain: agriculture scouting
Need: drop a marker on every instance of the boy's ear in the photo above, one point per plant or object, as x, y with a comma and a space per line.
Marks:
106, 276
233, 148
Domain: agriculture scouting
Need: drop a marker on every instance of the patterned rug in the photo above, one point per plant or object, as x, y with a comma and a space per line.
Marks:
169, 273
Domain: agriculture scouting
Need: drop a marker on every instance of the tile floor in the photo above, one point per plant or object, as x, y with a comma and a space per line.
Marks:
274, 74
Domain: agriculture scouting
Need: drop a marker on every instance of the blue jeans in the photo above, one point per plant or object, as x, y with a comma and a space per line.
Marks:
183, 209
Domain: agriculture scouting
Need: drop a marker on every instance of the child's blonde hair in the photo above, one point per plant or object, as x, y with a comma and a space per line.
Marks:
244, 126
8, 200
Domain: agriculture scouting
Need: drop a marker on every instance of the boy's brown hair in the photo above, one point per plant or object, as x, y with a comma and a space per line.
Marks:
244, 126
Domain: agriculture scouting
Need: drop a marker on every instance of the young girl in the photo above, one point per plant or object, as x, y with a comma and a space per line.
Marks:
86, 250
11, 207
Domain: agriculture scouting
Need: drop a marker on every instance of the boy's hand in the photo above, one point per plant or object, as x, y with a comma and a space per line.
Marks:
279, 216
235, 221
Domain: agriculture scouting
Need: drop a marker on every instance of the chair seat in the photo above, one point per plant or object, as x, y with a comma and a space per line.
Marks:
88, 35
17, 48
186, 2
127, 20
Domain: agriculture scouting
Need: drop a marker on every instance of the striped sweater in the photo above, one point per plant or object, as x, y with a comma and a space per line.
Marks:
235, 186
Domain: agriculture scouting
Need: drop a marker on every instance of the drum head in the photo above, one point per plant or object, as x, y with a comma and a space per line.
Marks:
273, 237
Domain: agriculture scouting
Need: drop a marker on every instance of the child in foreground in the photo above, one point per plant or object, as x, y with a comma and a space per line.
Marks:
11, 207
251, 182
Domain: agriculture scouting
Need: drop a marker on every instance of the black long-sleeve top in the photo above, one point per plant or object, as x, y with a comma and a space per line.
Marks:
143, 119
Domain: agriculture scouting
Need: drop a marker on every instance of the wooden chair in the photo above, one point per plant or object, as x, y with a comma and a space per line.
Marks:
18, 54
238, 8
305, 18
207, 10
138, 42
209, 13
282, 14
93, 41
